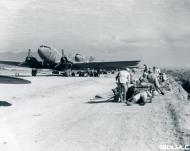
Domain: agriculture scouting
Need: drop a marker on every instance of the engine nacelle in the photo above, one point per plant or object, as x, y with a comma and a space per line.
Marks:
64, 63
33, 62
80, 58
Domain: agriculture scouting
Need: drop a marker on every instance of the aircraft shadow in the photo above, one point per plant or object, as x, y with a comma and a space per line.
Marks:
5, 103
13, 80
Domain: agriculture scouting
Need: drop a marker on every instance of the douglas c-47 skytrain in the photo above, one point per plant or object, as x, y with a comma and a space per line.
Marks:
52, 59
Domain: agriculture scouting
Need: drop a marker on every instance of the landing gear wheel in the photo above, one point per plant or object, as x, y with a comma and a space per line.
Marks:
34, 72
73, 74
55, 72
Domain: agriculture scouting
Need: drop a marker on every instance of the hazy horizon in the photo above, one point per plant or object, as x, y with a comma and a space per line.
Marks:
157, 32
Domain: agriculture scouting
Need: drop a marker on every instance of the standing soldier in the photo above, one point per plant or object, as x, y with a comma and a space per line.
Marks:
145, 68
123, 78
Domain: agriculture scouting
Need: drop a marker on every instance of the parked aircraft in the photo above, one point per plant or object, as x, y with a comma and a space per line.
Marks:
52, 59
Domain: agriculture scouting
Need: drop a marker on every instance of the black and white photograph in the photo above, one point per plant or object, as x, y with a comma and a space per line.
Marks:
94, 75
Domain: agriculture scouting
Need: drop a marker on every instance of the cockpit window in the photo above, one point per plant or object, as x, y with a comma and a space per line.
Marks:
43, 46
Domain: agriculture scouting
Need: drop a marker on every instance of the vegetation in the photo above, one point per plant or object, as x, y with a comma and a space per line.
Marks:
182, 76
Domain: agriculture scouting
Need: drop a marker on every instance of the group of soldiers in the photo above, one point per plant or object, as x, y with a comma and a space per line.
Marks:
139, 88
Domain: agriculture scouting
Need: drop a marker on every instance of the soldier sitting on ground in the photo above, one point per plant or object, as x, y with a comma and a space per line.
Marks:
154, 79
141, 97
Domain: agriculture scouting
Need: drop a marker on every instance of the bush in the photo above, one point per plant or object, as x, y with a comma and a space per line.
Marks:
182, 76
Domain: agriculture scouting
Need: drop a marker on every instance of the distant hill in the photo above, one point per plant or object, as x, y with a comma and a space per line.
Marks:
16, 56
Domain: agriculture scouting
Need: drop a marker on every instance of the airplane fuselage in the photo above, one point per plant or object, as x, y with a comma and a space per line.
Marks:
49, 54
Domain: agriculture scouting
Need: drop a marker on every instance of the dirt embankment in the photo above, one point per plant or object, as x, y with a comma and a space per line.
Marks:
178, 106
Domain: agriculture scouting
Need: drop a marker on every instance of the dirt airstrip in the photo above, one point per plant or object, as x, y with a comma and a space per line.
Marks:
54, 114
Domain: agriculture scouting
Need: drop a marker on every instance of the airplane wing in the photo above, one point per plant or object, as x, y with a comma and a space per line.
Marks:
105, 65
16, 63
30, 64
12, 63
112, 65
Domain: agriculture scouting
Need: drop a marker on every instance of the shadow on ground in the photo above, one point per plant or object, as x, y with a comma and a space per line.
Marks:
101, 101
5, 103
13, 80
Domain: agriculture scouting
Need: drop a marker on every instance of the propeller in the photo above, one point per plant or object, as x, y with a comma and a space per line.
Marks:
30, 60
29, 53
64, 61
62, 51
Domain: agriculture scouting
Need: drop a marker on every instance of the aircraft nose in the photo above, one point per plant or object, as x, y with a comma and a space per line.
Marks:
40, 52
44, 53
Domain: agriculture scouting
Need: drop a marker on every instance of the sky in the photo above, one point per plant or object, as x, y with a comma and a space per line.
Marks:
154, 31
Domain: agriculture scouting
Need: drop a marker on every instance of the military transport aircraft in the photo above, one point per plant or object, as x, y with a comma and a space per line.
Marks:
52, 59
